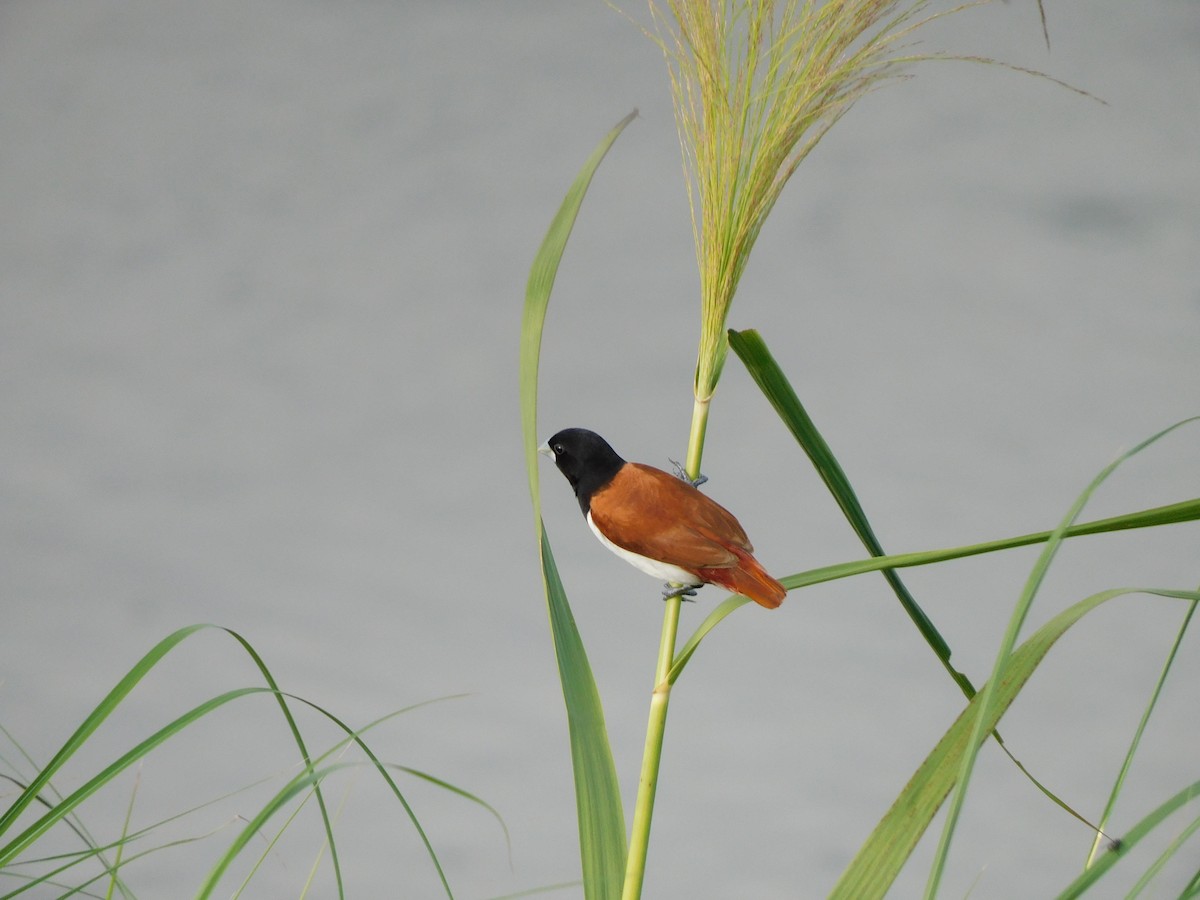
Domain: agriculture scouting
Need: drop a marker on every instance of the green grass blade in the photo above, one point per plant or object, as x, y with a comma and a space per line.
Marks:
752, 350
355, 736
72, 822
114, 880
96, 851
1172, 514
310, 777
62, 808
113, 699
1165, 857
724, 608
1009, 640
466, 795
880, 859
537, 298
1192, 890
1129, 840
41, 825
271, 842
90, 724
597, 793
74, 859
298, 739
1127, 764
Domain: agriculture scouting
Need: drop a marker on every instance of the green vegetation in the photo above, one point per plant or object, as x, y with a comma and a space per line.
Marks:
756, 84
96, 869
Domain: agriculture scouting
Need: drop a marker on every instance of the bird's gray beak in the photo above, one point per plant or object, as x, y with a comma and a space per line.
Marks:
545, 450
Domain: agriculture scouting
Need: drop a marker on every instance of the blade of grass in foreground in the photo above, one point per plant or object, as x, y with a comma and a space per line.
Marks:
118, 694
1137, 736
312, 778
537, 298
597, 794
766, 372
89, 725
114, 881
1171, 514
876, 865
61, 809
40, 826
1131, 839
753, 352
73, 859
1000, 668
98, 852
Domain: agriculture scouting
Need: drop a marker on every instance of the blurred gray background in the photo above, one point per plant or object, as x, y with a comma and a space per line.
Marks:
261, 274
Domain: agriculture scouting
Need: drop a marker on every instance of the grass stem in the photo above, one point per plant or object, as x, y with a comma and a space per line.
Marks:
643, 811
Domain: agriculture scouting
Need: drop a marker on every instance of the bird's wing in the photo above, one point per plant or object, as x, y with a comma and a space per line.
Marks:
661, 517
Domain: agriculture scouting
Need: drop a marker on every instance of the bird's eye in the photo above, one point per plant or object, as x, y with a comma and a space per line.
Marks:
557, 448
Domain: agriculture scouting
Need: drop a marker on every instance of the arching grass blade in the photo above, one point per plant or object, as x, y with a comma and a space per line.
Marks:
1131, 839
753, 352
597, 793
880, 859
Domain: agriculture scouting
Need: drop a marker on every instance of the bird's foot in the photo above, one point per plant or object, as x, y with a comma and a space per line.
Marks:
682, 475
684, 592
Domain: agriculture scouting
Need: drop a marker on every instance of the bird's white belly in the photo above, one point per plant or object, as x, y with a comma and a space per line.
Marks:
661, 570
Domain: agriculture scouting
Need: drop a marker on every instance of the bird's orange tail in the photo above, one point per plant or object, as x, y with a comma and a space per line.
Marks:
747, 578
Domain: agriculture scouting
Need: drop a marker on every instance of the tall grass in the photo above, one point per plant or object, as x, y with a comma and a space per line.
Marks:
39, 811
756, 84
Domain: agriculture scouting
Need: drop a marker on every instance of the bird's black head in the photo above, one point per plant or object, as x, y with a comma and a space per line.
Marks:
586, 459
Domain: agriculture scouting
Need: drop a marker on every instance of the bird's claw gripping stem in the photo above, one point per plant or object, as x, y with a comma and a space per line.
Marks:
684, 592
682, 475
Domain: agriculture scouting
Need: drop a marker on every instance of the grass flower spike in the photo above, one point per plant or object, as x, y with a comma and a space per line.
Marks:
756, 84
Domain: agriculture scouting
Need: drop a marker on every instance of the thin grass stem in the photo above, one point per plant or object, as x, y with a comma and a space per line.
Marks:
643, 812
660, 699
1165, 857
1137, 739
1004, 657
114, 880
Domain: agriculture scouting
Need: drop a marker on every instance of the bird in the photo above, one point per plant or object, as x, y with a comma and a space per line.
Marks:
658, 522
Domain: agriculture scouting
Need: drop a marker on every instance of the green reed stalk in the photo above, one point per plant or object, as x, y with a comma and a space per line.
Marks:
660, 699
755, 86
643, 810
